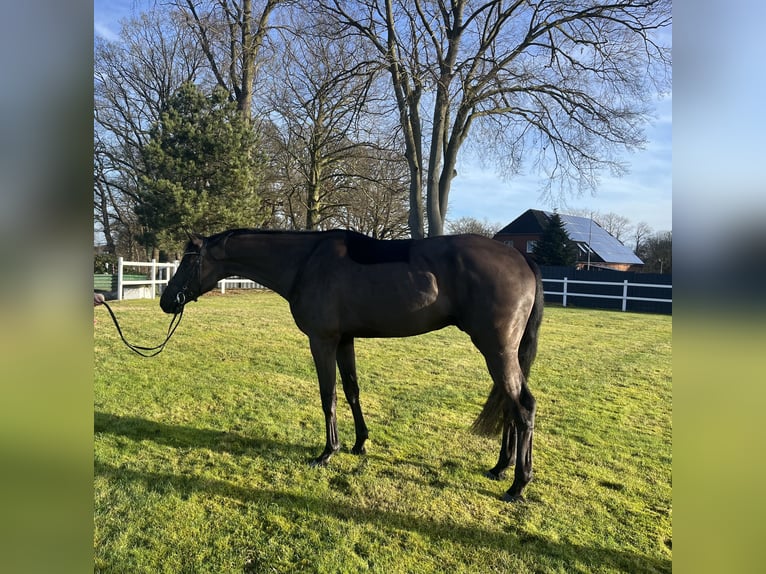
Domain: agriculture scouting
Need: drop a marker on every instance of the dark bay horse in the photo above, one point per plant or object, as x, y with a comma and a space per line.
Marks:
342, 285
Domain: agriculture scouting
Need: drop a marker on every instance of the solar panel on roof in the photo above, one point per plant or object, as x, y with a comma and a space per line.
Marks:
582, 229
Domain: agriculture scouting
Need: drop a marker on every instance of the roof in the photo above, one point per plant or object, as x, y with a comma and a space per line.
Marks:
530, 222
581, 230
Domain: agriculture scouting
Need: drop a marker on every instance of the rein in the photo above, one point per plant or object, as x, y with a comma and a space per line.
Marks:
148, 351
181, 299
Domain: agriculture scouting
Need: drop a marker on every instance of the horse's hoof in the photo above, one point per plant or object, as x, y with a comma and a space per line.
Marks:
359, 450
494, 476
323, 458
319, 462
507, 497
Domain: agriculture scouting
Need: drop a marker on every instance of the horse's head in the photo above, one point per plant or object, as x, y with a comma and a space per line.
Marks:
197, 274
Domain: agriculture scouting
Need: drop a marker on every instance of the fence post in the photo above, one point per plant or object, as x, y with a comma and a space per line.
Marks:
170, 270
223, 286
119, 278
564, 299
154, 277
625, 295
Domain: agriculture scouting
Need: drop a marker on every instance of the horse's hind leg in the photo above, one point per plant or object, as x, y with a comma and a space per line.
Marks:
347, 368
507, 451
525, 425
517, 407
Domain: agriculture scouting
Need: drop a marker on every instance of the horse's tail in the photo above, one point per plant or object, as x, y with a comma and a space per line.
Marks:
528, 346
490, 420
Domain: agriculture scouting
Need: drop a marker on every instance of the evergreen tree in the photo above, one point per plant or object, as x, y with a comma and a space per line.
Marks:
202, 169
554, 246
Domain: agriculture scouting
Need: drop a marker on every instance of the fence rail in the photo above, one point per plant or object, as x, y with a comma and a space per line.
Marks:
157, 278
238, 283
624, 297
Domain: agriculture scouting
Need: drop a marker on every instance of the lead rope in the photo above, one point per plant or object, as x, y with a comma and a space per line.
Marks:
174, 322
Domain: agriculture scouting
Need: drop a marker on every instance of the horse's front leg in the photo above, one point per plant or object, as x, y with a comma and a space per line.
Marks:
324, 353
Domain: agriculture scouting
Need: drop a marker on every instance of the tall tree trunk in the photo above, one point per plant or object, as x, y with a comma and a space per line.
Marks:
313, 205
433, 205
249, 51
415, 162
452, 146
104, 219
415, 218
245, 40
442, 142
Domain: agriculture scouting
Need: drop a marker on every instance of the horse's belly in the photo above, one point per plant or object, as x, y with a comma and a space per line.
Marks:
410, 306
403, 325
397, 327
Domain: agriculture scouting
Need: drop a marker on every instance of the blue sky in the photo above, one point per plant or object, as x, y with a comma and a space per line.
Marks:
108, 13
642, 195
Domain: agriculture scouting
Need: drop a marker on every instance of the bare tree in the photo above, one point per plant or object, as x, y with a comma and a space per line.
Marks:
640, 232
618, 226
231, 34
134, 78
101, 201
657, 253
473, 225
374, 198
321, 100
278, 178
565, 82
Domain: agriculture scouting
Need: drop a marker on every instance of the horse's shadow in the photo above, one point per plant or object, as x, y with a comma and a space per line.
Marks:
230, 441
179, 436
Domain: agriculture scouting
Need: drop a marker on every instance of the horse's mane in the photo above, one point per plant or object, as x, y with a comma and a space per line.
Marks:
361, 248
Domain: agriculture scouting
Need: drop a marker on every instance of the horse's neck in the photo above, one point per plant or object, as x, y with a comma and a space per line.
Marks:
271, 259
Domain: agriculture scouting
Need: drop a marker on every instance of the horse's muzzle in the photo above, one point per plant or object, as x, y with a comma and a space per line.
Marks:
173, 306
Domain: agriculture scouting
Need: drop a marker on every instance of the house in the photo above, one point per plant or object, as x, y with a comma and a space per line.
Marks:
597, 248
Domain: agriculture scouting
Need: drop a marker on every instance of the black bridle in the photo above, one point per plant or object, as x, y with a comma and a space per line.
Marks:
181, 299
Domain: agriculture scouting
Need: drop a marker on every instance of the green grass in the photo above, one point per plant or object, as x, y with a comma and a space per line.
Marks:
201, 452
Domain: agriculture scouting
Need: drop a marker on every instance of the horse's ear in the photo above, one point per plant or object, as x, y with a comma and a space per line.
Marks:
195, 238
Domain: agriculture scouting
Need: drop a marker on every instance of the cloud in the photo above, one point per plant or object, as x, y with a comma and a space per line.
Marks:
104, 31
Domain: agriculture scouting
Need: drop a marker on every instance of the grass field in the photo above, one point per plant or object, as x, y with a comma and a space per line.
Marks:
201, 452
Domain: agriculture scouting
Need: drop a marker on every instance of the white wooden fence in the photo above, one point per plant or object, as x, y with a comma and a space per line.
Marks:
159, 275
567, 292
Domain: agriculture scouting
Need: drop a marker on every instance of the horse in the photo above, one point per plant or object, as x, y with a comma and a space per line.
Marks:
341, 285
